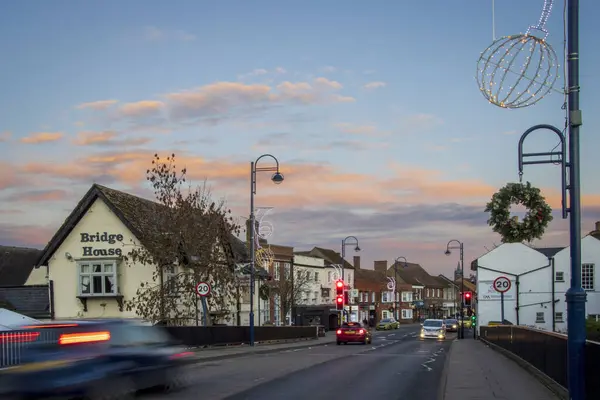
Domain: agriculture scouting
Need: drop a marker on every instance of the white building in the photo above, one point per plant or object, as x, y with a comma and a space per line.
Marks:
590, 280
86, 260
529, 301
540, 278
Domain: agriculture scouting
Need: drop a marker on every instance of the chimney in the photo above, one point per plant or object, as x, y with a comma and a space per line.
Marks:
380, 266
596, 233
357, 262
598, 226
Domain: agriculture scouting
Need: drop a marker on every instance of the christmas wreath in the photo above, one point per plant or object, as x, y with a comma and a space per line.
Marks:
539, 213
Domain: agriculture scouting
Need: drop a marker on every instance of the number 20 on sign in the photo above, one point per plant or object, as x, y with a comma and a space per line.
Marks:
203, 289
502, 284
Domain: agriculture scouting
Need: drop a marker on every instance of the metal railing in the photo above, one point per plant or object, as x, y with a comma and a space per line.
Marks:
546, 351
12, 344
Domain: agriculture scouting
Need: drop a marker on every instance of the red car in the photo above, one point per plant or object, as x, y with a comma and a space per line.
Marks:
353, 332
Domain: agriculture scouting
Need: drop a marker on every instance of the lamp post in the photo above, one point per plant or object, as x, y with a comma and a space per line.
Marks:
356, 248
570, 168
459, 245
397, 301
277, 178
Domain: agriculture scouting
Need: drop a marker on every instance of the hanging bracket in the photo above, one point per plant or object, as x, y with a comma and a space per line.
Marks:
550, 157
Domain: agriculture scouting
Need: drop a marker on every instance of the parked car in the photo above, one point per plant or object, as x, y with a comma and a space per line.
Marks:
353, 332
451, 325
433, 329
387, 324
94, 360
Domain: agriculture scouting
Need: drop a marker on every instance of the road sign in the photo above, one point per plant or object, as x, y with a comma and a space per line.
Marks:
203, 289
502, 284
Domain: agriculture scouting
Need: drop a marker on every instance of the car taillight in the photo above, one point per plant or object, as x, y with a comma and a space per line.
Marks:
361, 332
339, 332
181, 355
83, 337
19, 337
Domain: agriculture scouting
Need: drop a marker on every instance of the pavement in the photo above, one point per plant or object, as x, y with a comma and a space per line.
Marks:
474, 371
396, 365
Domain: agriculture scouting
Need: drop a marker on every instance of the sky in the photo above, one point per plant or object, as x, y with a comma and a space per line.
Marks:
372, 109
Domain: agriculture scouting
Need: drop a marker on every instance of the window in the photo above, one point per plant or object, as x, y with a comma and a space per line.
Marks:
245, 292
287, 268
427, 293
406, 297
329, 276
97, 278
170, 279
372, 297
386, 297
539, 317
276, 271
559, 276
438, 293
307, 275
407, 314
316, 277
587, 276
558, 317
385, 314
349, 277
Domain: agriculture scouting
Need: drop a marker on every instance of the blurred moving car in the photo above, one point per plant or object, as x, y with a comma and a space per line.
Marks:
433, 329
353, 332
387, 324
92, 359
451, 325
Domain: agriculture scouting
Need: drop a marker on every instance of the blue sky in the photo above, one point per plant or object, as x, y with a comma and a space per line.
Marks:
381, 130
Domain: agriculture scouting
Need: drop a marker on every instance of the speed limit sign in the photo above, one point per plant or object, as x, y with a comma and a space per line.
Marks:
502, 284
203, 289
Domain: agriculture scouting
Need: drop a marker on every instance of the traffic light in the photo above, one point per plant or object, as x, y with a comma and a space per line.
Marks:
474, 318
346, 298
469, 312
339, 287
339, 302
468, 296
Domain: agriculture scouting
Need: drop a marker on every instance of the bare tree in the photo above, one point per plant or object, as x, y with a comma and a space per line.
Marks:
289, 288
187, 238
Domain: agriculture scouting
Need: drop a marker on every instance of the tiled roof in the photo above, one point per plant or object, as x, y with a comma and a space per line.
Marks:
330, 256
414, 274
32, 301
369, 275
16, 264
138, 214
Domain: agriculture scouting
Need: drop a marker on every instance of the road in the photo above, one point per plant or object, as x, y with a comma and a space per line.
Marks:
397, 364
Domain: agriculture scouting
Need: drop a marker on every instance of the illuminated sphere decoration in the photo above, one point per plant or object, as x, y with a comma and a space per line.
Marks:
517, 71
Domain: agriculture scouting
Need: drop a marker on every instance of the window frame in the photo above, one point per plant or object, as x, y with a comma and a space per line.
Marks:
559, 276
103, 262
588, 280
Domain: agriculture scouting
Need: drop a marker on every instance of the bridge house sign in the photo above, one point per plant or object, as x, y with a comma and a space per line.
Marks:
110, 238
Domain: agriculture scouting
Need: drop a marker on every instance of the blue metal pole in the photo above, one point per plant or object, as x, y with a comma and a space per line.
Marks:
252, 249
576, 296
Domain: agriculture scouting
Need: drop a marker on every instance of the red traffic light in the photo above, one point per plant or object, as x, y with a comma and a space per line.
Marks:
339, 284
468, 295
339, 287
339, 302
339, 299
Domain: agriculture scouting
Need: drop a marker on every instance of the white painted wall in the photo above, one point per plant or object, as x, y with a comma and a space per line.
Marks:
535, 289
590, 254
63, 271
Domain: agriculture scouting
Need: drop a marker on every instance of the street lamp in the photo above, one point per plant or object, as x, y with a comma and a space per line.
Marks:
459, 245
356, 248
397, 295
277, 178
569, 161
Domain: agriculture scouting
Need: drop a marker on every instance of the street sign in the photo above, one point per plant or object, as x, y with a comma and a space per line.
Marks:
203, 289
502, 284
